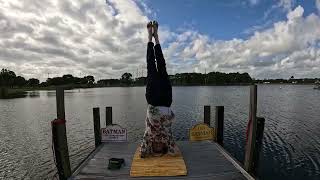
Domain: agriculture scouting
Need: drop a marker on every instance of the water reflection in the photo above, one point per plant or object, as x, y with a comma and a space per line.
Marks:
33, 94
291, 142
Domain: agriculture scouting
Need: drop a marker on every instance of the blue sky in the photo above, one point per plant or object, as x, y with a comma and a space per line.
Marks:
266, 38
221, 19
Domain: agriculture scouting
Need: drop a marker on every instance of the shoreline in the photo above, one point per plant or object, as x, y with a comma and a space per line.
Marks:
9, 93
18, 90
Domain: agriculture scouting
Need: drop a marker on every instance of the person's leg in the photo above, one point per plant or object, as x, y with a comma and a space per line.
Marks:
152, 74
164, 80
165, 84
161, 63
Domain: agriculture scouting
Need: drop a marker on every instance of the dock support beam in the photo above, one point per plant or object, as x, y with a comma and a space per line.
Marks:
108, 116
207, 114
219, 124
259, 139
59, 138
96, 126
251, 145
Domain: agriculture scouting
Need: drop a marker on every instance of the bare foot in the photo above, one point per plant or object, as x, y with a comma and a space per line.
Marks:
155, 31
150, 27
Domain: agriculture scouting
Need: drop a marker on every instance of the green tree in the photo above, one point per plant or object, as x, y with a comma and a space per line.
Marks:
7, 77
20, 81
89, 79
126, 78
33, 82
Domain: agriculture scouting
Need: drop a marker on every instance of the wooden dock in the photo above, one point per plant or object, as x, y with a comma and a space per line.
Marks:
204, 160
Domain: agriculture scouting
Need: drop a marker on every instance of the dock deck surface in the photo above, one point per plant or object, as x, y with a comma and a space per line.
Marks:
204, 160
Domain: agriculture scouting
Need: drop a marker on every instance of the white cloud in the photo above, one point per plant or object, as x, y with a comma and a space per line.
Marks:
286, 4
290, 47
59, 37
318, 5
253, 2
108, 39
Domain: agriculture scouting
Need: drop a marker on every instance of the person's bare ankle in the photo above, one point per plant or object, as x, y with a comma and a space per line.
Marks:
150, 28
155, 31
156, 39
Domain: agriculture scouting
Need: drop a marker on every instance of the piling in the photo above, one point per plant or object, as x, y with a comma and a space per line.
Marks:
96, 126
207, 113
259, 139
219, 123
59, 138
252, 131
108, 116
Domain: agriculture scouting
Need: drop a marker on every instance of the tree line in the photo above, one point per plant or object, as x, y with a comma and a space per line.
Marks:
9, 78
292, 80
184, 79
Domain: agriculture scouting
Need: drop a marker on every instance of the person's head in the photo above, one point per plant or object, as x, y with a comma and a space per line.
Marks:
158, 146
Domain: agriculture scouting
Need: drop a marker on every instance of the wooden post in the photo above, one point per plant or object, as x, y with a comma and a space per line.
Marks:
108, 116
59, 138
207, 113
252, 131
60, 103
259, 139
96, 126
219, 124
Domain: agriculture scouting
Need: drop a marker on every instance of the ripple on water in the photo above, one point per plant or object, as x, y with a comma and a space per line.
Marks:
291, 144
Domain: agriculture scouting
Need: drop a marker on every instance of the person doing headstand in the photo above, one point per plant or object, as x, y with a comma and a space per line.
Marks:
158, 138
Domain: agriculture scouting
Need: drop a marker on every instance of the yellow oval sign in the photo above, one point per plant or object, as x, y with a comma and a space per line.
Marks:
201, 132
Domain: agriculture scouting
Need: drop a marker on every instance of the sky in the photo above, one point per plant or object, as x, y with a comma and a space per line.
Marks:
105, 38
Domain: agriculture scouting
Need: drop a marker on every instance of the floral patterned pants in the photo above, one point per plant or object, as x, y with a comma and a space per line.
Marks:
158, 130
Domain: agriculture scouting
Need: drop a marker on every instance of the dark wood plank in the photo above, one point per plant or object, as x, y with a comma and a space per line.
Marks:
204, 160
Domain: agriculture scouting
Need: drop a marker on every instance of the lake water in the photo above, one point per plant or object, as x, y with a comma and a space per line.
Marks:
291, 145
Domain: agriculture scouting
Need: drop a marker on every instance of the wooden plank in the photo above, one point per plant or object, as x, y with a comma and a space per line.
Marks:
203, 160
234, 162
165, 165
220, 176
